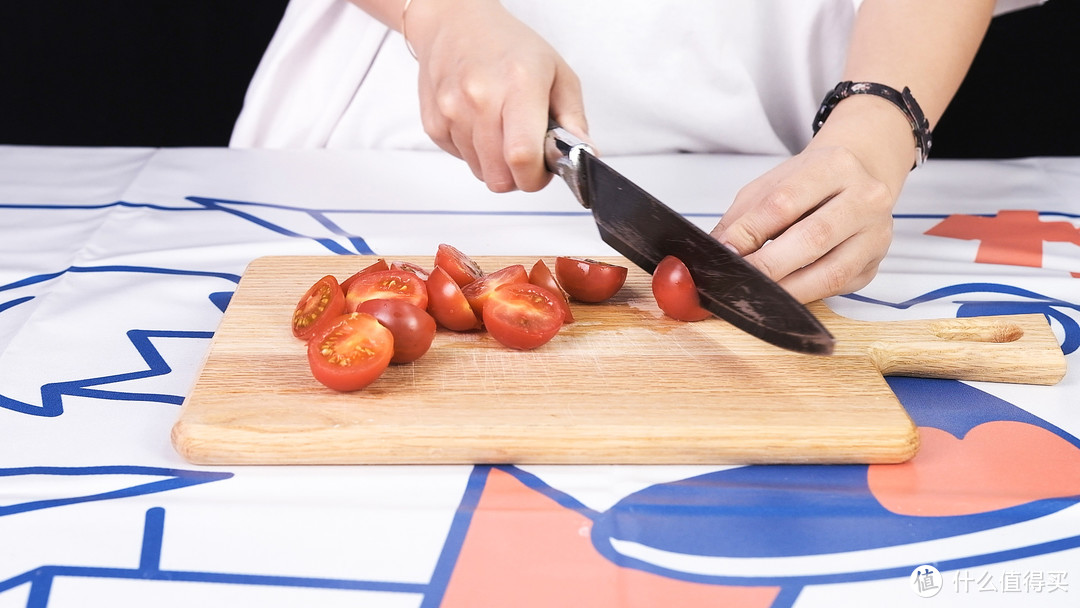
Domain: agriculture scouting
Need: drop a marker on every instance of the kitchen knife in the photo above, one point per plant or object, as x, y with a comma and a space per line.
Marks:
644, 230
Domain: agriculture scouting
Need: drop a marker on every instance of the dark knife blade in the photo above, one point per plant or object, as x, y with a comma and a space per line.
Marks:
644, 230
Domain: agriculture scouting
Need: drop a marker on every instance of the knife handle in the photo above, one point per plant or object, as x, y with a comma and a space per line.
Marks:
562, 155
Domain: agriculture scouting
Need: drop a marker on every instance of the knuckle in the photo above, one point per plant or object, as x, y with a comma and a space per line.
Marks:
836, 277
817, 235
520, 154
780, 202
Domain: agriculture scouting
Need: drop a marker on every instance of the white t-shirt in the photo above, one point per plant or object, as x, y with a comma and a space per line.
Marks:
739, 76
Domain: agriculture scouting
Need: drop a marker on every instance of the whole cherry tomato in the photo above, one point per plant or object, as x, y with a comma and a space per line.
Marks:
675, 292
351, 352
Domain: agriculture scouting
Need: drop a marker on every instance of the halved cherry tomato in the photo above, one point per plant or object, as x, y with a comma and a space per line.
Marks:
323, 301
479, 290
447, 303
413, 329
382, 284
460, 267
351, 352
675, 292
541, 275
379, 265
589, 280
416, 269
522, 315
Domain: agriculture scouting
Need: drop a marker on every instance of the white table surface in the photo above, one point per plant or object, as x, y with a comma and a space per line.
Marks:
114, 264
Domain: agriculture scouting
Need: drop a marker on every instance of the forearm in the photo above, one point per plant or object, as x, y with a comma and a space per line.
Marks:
925, 45
389, 12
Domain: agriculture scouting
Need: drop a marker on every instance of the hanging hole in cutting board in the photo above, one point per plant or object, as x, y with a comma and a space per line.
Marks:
977, 330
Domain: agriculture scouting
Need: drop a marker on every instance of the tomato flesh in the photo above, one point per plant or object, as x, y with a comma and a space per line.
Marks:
675, 292
522, 316
322, 303
351, 352
416, 269
376, 266
541, 275
448, 304
387, 284
588, 280
460, 267
478, 292
413, 328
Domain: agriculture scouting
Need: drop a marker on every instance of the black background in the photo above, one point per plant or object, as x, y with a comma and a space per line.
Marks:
174, 73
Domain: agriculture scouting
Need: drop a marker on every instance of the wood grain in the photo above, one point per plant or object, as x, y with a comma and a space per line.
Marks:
622, 384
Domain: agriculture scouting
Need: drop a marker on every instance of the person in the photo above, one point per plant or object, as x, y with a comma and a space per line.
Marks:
743, 76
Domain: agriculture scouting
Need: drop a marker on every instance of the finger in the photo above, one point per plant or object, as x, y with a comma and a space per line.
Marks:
525, 117
435, 123
567, 105
771, 212
845, 269
461, 137
488, 146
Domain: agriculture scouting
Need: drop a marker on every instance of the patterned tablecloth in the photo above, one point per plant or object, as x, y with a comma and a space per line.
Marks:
116, 265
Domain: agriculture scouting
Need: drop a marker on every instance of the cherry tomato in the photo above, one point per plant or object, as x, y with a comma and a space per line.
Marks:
416, 269
447, 303
379, 265
383, 284
675, 292
413, 329
351, 352
589, 280
323, 301
522, 315
460, 267
479, 290
541, 275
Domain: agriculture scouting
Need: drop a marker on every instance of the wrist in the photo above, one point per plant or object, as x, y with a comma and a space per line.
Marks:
903, 101
871, 129
421, 19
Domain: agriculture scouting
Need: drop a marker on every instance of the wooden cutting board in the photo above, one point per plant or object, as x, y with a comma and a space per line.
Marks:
622, 384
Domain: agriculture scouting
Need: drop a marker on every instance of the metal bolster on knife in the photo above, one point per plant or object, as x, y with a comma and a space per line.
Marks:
562, 154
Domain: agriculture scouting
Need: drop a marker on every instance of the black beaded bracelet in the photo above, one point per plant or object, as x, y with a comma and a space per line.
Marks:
903, 100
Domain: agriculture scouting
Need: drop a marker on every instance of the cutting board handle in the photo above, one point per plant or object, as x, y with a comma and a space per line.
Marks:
1008, 348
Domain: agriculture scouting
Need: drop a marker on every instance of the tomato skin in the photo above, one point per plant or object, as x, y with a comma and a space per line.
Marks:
460, 267
416, 269
322, 303
523, 316
413, 328
382, 284
379, 265
478, 292
541, 275
351, 352
675, 292
588, 280
448, 304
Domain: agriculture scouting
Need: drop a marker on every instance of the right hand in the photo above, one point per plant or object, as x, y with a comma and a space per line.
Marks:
488, 84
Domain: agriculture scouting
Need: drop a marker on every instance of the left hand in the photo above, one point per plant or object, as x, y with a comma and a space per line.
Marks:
819, 223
